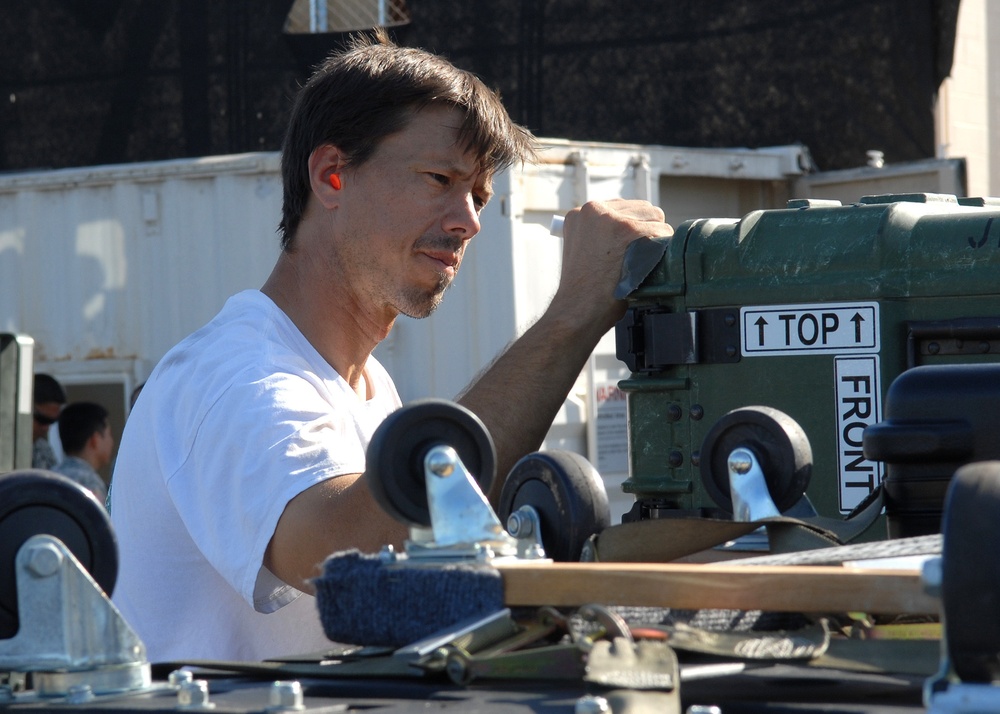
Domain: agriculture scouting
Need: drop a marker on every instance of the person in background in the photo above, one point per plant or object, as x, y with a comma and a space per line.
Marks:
48, 398
88, 443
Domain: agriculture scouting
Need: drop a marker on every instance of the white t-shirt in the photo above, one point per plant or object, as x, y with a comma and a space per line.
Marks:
234, 422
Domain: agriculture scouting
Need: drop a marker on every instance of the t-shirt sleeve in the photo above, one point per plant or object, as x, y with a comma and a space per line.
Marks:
261, 443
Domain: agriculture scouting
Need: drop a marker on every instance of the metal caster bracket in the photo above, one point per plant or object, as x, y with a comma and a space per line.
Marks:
464, 526
71, 637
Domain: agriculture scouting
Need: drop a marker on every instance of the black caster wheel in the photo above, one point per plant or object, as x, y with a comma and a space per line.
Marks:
567, 493
970, 577
776, 440
36, 502
395, 457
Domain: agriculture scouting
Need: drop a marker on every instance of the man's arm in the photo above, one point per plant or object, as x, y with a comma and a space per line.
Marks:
547, 360
519, 394
306, 532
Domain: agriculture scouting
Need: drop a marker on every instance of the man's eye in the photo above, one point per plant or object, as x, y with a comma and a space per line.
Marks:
440, 178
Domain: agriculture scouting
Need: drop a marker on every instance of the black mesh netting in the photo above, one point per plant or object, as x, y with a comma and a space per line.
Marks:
132, 80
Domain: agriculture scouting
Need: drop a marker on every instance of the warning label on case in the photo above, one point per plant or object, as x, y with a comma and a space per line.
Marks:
820, 328
611, 430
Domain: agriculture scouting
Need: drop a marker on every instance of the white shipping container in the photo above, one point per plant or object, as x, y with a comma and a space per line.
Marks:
108, 267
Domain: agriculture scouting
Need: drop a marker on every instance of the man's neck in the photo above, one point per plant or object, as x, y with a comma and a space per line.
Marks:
342, 331
87, 458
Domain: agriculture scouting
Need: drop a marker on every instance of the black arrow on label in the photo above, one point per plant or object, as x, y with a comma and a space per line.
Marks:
761, 322
857, 320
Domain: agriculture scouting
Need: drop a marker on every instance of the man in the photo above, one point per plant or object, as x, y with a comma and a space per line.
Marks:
48, 399
88, 445
240, 469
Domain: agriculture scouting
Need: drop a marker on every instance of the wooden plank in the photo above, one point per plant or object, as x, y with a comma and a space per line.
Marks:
694, 586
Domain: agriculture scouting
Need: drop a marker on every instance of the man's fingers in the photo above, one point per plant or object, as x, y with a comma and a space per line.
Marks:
638, 217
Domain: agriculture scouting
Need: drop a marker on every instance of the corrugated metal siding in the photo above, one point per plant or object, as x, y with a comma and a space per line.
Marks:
120, 262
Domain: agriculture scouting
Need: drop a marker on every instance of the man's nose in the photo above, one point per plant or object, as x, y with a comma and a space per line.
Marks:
463, 219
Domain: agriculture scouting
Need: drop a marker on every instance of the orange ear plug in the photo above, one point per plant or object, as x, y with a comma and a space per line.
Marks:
335, 181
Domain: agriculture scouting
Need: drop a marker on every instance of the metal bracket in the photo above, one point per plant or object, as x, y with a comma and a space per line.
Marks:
71, 636
463, 524
526, 526
958, 336
751, 497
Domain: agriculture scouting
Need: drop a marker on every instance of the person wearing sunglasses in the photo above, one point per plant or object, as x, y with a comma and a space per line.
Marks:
48, 398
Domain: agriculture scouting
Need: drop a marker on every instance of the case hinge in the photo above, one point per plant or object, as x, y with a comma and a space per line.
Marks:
650, 339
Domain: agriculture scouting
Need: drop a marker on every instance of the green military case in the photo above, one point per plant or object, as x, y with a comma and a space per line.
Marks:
811, 310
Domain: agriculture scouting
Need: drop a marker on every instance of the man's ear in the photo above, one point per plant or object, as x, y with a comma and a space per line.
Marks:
325, 161
93, 439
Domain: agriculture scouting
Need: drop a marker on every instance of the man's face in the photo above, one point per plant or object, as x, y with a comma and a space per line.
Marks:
408, 213
45, 415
